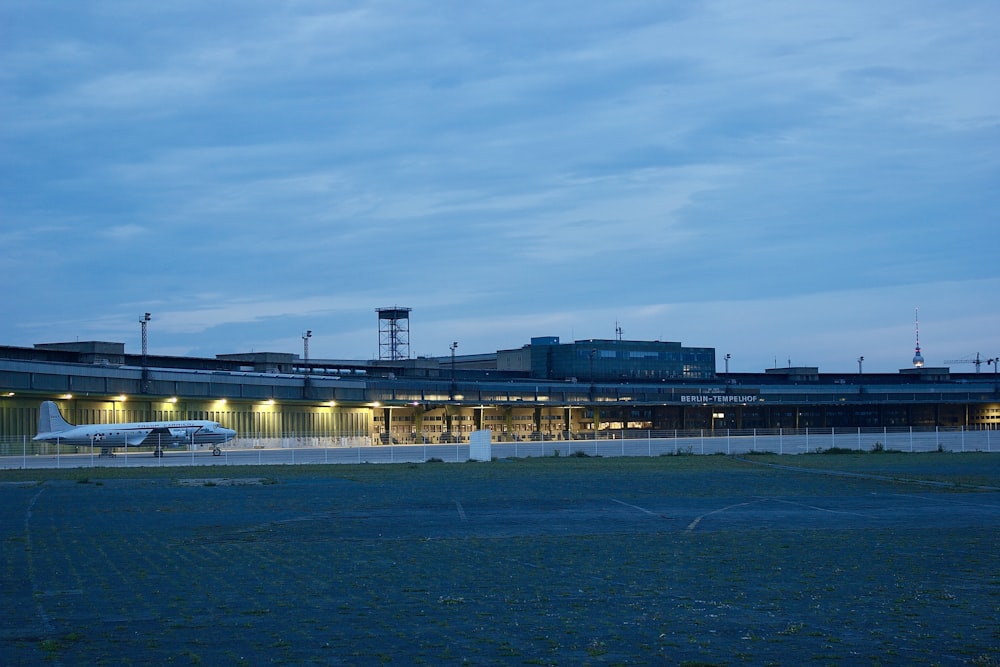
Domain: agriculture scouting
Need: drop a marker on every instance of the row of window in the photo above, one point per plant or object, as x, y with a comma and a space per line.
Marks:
17, 420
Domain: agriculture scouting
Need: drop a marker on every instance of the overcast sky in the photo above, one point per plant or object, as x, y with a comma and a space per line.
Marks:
783, 181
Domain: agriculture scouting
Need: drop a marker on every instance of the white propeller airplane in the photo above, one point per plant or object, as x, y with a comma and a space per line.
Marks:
53, 428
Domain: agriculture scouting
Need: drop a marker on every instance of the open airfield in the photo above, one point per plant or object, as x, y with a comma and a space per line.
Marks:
850, 559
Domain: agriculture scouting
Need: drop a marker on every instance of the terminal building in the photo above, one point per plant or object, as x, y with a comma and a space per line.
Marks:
544, 390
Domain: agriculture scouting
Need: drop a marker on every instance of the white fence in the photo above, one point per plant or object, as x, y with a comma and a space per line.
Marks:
23, 453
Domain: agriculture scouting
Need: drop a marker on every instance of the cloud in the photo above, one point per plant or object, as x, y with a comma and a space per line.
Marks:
122, 232
495, 167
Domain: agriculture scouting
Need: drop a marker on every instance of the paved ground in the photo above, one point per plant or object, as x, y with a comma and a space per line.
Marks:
670, 560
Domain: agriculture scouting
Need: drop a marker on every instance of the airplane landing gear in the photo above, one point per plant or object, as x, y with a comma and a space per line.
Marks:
216, 452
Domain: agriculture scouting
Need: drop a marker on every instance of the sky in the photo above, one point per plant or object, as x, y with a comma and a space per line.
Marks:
786, 182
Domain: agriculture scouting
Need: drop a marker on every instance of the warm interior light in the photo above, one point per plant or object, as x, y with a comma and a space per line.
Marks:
67, 396
172, 399
121, 397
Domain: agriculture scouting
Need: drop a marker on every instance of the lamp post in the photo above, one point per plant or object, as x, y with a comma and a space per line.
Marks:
306, 381
996, 383
145, 353
726, 359
453, 347
593, 353
305, 345
145, 341
861, 388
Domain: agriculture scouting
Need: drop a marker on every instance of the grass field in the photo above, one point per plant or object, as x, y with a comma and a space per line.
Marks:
678, 560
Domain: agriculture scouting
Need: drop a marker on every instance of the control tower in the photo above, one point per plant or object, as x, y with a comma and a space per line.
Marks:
393, 333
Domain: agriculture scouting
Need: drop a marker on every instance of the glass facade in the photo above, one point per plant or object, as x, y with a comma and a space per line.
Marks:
620, 361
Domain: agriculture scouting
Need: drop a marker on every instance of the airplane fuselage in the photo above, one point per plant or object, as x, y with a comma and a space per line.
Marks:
197, 432
52, 427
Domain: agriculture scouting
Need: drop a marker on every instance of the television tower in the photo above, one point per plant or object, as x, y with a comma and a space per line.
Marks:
918, 360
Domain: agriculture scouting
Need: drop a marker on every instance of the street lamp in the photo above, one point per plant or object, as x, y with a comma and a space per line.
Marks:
726, 359
590, 394
143, 322
145, 353
996, 383
861, 360
306, 380
453, 347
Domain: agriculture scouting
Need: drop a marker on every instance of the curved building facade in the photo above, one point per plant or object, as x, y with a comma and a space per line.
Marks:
546, 391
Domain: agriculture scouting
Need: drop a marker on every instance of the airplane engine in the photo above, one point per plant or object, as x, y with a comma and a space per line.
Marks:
181, 434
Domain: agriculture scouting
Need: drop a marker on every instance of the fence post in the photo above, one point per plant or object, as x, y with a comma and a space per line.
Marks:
937, 437
781, 441
859, 438
702, 441
755, 439
807, 439
649, 444
728, 448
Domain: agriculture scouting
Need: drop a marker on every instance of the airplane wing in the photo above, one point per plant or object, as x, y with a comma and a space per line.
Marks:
136, 438
172, 435
111, 439
164, 435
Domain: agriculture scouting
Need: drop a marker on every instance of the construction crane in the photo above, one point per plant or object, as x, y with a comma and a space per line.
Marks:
977, 361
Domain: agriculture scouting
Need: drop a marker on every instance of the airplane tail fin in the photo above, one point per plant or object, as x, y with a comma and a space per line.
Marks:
50, 420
